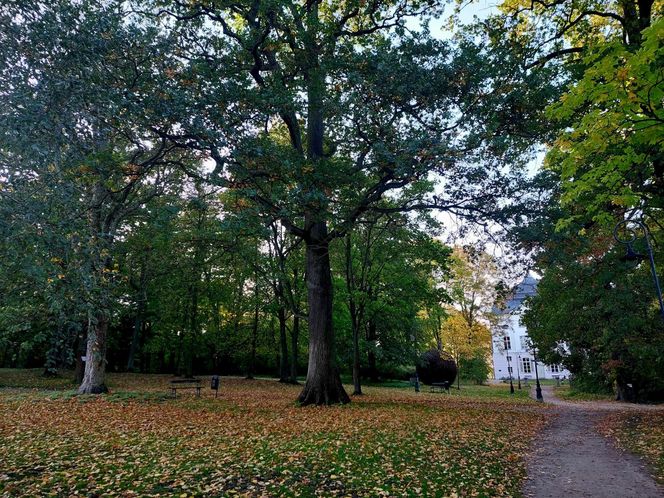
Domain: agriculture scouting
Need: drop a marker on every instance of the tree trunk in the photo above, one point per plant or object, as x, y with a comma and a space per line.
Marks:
323, 384
295, 333
371, 355
95, 364
283, 346
140, 313
357, 384
354, 317
79, 351
254, 337
138, 324
458, 362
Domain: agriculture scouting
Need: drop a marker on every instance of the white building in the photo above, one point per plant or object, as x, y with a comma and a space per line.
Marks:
511, 344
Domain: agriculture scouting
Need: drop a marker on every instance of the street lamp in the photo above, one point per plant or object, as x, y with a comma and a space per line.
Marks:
538, 388
630, 227
518, 370
509, 369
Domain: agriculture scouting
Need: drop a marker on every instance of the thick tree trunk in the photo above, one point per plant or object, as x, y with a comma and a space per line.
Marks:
95, 364
295, 333
323, 386
283, 346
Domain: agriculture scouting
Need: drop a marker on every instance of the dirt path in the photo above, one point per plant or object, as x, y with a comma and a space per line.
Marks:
570, 459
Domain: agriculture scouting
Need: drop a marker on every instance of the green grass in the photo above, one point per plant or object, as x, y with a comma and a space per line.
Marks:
570, 394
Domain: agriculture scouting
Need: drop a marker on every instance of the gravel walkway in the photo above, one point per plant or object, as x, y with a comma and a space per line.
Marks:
570, 459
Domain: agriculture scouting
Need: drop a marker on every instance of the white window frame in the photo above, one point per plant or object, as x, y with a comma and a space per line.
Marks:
526, 365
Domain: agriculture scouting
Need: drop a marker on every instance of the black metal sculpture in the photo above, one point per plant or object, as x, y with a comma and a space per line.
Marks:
436, 367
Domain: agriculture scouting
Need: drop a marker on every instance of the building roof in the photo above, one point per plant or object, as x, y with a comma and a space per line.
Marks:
527, 288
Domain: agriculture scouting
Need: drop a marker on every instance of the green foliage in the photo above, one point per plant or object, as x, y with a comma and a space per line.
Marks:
610, 159
475, 369
600, 319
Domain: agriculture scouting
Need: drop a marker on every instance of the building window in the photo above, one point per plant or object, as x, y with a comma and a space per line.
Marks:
507, 343
524, 343
509, 370
555, 368
509, 358
526, 365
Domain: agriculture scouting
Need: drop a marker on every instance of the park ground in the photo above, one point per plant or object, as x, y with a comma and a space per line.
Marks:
255, 441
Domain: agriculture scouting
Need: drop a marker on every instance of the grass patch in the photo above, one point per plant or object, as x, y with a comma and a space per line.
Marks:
570, 394
642, 434
255, 441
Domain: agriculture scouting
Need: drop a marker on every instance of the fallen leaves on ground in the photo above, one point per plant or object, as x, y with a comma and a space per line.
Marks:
641, 433
255, 441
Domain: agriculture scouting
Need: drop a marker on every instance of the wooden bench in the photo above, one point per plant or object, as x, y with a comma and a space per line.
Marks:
440, 387
185, 384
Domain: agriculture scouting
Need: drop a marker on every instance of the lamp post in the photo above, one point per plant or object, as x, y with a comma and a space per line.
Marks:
509, 369
538, 388
518, 371
630, 227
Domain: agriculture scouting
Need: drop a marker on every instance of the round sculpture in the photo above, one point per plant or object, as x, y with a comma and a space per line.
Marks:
436, 366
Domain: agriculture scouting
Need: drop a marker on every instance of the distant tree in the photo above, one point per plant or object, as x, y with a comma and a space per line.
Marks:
475, 368
463, 341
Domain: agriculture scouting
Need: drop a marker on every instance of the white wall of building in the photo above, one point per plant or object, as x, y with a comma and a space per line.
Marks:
511, 344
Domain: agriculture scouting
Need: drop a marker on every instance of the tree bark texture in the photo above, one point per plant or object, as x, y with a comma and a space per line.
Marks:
323, 386
283, 346
95, 364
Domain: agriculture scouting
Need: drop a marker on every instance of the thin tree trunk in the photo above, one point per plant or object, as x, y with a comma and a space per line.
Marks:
140, 313
138, 324
254, 335
79, 351
294, 348
371, 355
283, 345
354, 318
458, 362
357, 384
95, 364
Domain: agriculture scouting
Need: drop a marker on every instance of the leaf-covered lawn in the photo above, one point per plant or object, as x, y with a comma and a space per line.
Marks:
255, 441
641, 433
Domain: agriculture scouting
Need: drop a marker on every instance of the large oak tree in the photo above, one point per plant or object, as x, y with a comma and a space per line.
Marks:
318, 110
